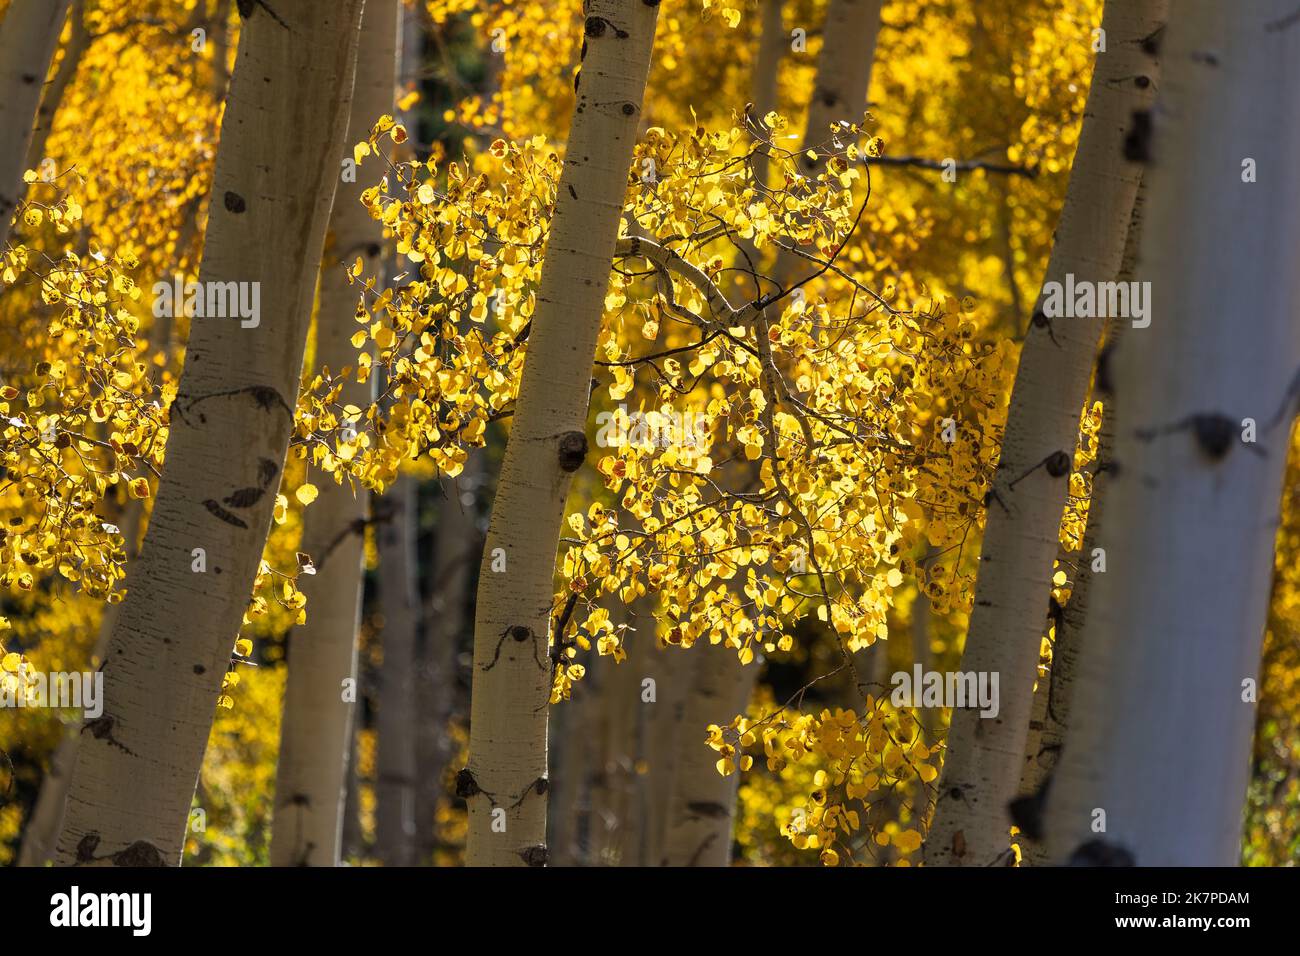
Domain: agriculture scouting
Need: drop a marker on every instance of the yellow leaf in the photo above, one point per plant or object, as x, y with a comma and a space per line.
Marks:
306, 493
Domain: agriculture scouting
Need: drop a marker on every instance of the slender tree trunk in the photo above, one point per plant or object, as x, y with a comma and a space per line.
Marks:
848, 53
703, 804
78, 43
352, 842
221, 49
922, 625
320, 690
400, 602
983, 760
772, 41
42, 827
1054, 697
615, 798
29, 35
456, 544
1157, 762
569, 821
670, 668
548, 443
230, 423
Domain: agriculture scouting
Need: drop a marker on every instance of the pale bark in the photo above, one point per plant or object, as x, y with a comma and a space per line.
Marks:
983, 758
616, 798
1054, 697
399, 601
276, 172
46, 819
78, 43
316, 729
772, 42
839, 96
548, 443
29, 35
42, 827
703, 803
1162, 738
670, 668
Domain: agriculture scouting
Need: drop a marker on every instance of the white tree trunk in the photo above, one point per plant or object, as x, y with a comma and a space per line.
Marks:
772, 40
315, 732
78, 43
839, 96
1054, 698
703, 803
983, 760
548, 443
29, 35
42, 826
1161, 742
277, 167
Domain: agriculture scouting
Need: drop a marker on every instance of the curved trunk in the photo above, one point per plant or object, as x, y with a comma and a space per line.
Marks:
1156, 775
505, 783
230, 424
983, 759
29, 35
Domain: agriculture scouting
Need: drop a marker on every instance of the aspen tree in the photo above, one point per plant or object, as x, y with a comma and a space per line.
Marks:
505, 782
46, 819
671, 671
680, 779
274, 183
43, 824
703, 803
457, 542
772, 42
839, 96
78, 42
320, 690
1155, 768
983, 759
1053, 700
29, 35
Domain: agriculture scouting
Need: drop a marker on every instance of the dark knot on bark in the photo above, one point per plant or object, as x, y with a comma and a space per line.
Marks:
572, 451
